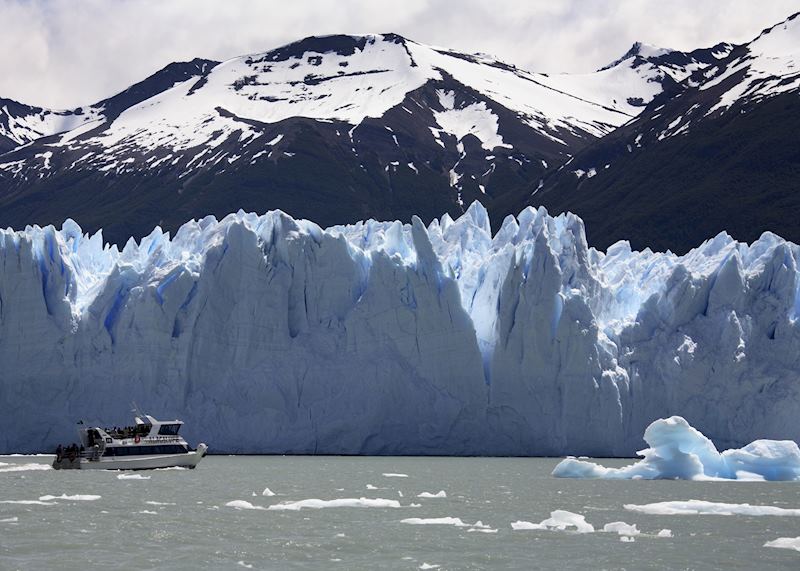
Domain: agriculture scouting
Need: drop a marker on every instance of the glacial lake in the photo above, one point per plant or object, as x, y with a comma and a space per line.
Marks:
178, 519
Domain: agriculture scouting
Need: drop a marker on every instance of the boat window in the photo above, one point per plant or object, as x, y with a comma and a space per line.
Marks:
169, 429
145, 450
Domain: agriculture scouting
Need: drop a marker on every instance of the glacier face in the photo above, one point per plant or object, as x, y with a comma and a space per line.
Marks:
269, 334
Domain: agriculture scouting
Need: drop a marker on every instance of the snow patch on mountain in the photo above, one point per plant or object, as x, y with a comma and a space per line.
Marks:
23, 124
769, 67
474, 119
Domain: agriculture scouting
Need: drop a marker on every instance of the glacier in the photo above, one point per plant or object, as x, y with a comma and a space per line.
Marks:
269, 334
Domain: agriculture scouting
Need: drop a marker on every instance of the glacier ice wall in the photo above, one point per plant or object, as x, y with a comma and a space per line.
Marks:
269, 334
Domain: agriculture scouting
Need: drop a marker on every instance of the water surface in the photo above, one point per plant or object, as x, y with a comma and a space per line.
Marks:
177, 519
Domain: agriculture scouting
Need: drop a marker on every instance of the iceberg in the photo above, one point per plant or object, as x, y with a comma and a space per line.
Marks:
268, 334
679, 451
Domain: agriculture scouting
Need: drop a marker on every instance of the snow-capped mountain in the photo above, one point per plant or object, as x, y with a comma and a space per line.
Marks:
334, 128
270, 334
719, 153
21, 124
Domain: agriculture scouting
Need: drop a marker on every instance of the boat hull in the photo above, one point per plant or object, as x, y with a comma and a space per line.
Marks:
149, 462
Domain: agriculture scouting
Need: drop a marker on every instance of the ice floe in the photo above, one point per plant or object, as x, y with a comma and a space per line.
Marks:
243, 505
664, 533
73, 498
29, 502
132, 477
621, 528
24, 467
679, 451
478, 526
435, 521
559, 520
267, 492
9, 520
702, 507
337, 503
785, 543
154, 503
393, 475
439, 494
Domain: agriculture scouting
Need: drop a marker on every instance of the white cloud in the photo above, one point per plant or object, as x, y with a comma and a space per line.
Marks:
64, 54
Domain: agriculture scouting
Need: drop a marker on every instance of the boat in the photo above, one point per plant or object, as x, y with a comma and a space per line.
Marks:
147, 445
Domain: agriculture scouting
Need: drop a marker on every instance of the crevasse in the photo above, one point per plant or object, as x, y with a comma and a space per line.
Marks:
269, 334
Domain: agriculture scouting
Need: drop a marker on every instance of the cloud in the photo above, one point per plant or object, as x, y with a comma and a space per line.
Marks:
65, 54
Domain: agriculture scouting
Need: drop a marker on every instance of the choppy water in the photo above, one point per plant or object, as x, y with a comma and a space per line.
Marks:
178, 519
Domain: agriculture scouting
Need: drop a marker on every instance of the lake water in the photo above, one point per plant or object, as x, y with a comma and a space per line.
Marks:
178, 519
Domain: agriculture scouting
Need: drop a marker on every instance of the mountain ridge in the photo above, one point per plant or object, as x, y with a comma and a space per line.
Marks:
340, 128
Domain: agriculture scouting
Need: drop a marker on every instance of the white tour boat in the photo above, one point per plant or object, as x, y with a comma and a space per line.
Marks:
146, 445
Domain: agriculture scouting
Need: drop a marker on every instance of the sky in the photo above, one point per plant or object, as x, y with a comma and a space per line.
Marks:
68, 53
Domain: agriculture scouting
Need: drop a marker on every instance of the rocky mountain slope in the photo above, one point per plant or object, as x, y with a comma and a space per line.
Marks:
718, 153
335, 129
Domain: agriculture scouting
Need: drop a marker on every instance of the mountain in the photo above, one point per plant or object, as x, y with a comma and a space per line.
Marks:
269, 334
332, 128
717, 153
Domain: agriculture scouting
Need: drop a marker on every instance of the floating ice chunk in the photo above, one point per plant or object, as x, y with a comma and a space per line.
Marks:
9, 520
525, 526
153, 503
132, 477
245, 565
482, 530
481, 527
393, 475
29, 502
560, 520
73, 498
267, 492
785, 543
338, 503
701, 507
429, 566
664, 533
371, 487
678, 451
439, 494
435, 521
626, 539
621, 528
147, 512
25, 467
243, 505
